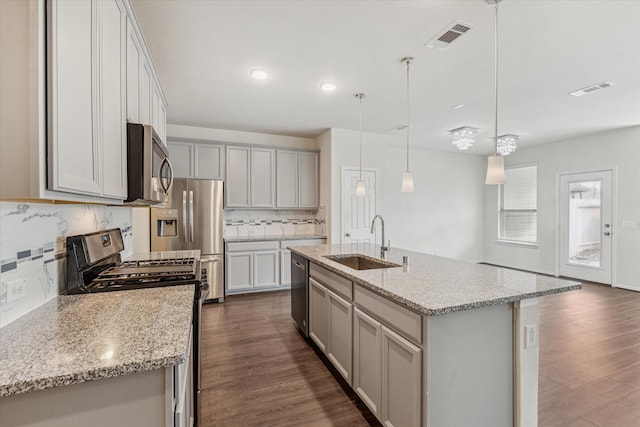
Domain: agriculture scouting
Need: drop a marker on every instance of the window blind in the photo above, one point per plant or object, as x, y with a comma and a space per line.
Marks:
518, 205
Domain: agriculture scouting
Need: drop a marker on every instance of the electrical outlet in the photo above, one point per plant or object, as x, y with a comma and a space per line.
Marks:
16, 289
530, 336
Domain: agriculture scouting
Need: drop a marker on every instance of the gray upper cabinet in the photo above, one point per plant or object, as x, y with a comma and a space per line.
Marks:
297, 179
197, 160
87, 90
238, 177
263, 177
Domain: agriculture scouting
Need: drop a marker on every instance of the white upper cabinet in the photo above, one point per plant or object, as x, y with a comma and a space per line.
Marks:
238, 174
87, 139
135, 58
197, 160
263, 177
287, 179
146, 79
308, 180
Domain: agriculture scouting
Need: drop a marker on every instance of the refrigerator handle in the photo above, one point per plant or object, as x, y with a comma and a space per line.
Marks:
191, 216
184, 215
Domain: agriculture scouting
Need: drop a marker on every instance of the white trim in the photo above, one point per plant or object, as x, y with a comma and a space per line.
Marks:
532, 245
627, 287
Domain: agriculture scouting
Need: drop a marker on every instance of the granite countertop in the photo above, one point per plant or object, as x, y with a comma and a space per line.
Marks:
273, 237
78, 338
435, 285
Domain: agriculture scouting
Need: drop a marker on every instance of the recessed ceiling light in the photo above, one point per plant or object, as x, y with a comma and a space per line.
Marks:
259, 74
457, 106
328, 86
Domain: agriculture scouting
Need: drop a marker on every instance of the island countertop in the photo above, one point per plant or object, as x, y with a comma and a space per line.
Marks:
435, 285
78, 338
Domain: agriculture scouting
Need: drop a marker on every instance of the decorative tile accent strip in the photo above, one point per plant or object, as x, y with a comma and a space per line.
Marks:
8, 266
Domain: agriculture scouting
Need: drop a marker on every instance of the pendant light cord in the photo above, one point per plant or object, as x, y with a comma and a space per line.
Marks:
360, 98
495, 75
408, 114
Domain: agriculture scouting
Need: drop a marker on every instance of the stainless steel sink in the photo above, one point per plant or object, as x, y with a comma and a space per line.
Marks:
361, 262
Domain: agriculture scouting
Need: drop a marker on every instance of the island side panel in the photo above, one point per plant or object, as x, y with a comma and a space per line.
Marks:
470, 367
527, 362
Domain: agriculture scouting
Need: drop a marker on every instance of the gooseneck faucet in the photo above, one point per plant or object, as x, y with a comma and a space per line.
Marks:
383, 248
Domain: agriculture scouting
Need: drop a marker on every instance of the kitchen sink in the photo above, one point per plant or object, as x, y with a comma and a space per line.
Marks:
361, 262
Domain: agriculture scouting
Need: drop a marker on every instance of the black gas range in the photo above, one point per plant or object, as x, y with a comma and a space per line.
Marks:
94, 264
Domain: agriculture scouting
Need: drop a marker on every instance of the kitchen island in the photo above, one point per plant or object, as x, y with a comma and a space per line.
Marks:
137, 343
434, 342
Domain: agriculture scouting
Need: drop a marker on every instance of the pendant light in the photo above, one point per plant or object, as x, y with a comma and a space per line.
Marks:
360, 184
495, 164
407, 176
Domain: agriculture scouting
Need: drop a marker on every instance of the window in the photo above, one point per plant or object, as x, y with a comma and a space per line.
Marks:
518, 205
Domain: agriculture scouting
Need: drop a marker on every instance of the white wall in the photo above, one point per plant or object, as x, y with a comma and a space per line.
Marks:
444, 214
619, 149
238, 137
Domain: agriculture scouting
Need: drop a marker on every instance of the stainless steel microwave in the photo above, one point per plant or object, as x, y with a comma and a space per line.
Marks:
149, 171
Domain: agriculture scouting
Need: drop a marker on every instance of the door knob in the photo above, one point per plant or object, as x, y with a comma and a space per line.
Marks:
606, 233
607, 225
347, 234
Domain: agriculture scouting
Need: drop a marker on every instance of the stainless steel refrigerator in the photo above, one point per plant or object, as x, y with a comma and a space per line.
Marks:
193, 219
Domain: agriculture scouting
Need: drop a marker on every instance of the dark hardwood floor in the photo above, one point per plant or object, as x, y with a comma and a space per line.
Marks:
257, 370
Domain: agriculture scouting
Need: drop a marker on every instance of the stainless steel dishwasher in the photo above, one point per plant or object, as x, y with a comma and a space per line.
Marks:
299, 301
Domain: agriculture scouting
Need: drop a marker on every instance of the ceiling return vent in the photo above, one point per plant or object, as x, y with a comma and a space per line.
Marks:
591, 89
450, 34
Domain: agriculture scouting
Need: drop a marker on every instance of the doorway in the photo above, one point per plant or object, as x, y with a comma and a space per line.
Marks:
357, 212
586, 232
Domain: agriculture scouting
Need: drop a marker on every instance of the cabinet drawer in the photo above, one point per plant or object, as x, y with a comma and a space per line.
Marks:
331, 280
391, 314
270, 245
304, 242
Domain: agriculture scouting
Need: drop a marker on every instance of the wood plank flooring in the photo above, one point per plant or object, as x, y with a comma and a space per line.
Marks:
257, 370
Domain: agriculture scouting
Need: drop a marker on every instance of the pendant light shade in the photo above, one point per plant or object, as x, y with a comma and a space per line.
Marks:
407, 176
495, 170
360, 192
495, 163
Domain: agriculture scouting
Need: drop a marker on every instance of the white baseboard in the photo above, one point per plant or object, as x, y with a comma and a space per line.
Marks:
628, 287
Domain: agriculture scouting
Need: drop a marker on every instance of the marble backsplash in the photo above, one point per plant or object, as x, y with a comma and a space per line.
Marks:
273, 223
32, 239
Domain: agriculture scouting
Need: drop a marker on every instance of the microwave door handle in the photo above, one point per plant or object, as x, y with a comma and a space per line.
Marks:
166, 163
184, 215
191, 216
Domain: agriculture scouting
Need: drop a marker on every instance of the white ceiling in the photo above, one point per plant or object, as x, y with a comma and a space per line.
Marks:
203, 51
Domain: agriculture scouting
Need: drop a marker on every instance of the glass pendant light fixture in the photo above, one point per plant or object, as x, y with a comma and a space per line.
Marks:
407, 176
507, 144
360, 192
495, 165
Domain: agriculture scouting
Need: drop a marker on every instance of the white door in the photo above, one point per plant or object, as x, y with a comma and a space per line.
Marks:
586, 231
357, 212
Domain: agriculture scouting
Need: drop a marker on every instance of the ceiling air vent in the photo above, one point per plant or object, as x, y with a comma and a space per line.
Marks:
452, 33
591, 89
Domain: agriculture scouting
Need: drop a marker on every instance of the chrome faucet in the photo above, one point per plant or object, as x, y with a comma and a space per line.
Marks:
383, 249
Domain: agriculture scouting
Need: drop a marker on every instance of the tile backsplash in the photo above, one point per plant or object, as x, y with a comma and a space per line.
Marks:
32, 252
271, 223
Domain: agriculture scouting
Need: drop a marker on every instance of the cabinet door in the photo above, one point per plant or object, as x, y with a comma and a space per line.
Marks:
238, 175
162, 125
265, 269
285, 267
112, 96
73, 130
209, 161
181, 155
263, 177
287, 179
145, 93
155, 107
134, 56
367, 366
339, 348
308, 180
239, 269
318, 315
401, 381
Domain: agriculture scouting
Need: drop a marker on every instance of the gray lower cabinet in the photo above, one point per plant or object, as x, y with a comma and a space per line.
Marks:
330, 326
401, 381
285, 267
239, 268
265, 269
252, 266
367, 366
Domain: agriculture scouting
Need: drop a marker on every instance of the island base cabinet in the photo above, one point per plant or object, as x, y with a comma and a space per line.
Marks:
367, 366
330, 326
401, 381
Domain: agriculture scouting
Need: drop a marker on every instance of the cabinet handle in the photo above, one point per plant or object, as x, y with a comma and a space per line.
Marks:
191, 215
184, 215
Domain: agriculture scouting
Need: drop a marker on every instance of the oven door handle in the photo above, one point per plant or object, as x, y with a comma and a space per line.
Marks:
184, 215
191, 234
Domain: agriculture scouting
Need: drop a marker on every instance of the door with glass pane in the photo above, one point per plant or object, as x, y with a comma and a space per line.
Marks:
586, 231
